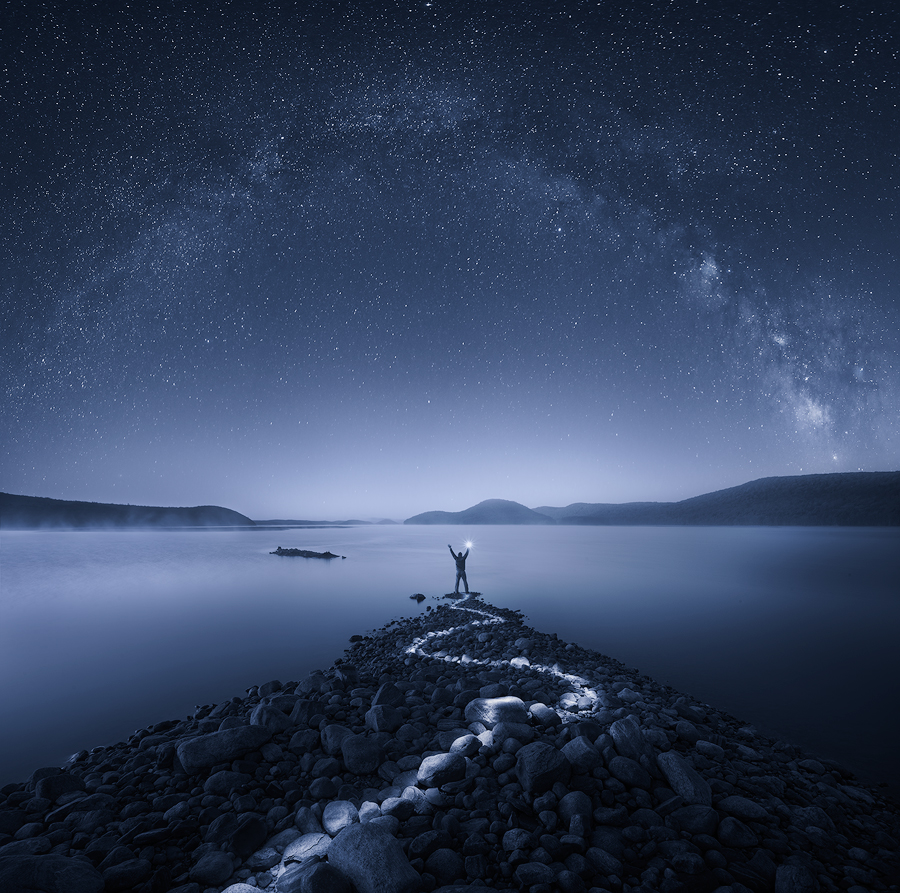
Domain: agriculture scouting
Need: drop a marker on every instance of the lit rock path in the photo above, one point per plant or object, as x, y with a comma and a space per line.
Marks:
454, 750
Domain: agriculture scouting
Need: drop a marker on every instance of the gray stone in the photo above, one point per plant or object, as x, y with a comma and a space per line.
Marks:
270, 718
545, 715
362, 756
734, 833
629, 740
696, 819
574, 803
48, 874
582, 755
517, 839
742, 808
126, 875
518, 730
316, 843
388, 695
539, 766
338, 815
440, 769
333, 736
313, 877
529, 873
373, 860
212, 868
683, 779
790, 878
304, 710
399, 807
233, 888
466, 745
629, 772
384, 718
263, 859
303, 742
32, 846
606, 863
220, 747
223, 783
52, 787
490, 711
423, 845
446, 866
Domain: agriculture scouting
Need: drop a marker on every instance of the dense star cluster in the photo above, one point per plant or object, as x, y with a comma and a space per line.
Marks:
378, 258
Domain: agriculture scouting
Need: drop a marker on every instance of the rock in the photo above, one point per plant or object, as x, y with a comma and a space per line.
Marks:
304, 710
373, 860
446, 866
333, 736
683, 779
582, 755
490, 711
696, 819
423, 845
212, 868
52, 787
220, 747
545, 715
338, 815
48, 874
574, 803
221, 784
126, 875
539, 766
313, 877
530, 873
742, 808
362, 756
734, 833
441, 769
263, 859
388, 695
606, 863
384, 718
790, 878
303, 741
629, 772
629, 740
309, 845
269, 718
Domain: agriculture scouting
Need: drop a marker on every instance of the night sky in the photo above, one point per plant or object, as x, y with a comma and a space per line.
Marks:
345, 259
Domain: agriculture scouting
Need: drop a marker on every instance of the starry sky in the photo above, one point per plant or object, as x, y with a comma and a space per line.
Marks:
366, 259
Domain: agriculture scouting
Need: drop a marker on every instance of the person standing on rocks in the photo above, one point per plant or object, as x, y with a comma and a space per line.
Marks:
460, 568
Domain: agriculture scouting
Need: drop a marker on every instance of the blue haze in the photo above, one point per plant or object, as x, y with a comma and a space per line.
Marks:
791, 629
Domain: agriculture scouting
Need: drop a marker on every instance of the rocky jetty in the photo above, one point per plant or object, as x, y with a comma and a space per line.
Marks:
458, 749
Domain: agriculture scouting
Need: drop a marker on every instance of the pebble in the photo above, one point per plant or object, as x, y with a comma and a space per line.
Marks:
532, 764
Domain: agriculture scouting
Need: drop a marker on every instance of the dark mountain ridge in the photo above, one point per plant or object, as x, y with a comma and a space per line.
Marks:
849, 499
29, 512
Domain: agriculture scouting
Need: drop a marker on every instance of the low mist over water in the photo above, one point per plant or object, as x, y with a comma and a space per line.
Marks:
792, 629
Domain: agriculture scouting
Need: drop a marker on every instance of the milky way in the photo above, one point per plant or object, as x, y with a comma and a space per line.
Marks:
370, 260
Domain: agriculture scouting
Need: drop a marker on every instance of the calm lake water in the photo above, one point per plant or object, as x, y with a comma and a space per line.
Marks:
792, 629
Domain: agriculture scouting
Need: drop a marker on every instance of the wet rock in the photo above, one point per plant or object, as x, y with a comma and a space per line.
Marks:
629, 772
126, 875
313, 877
384, 718
373, 860
582, 755
629, 740
315, 843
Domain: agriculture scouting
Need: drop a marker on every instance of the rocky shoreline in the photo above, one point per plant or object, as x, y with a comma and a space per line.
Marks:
452, 750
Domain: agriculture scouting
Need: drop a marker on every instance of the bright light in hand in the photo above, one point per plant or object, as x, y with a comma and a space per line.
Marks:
467, 544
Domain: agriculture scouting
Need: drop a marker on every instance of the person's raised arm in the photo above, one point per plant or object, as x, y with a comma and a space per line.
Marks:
451, 550
466, 555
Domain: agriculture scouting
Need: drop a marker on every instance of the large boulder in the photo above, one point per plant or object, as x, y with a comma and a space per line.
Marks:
490, 711
373, 860
221, 747
362, 756
441, 768
629, 739
539, 766
48, 874
684, 779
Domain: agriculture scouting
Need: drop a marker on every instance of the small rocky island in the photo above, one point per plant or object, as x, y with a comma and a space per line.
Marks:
304, 553
455, 750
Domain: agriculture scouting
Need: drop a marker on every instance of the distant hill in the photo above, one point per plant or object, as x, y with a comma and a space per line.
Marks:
350, 523
853, 499
28, 512
491, 511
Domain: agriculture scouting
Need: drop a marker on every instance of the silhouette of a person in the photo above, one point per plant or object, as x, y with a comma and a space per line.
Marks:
460, 568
